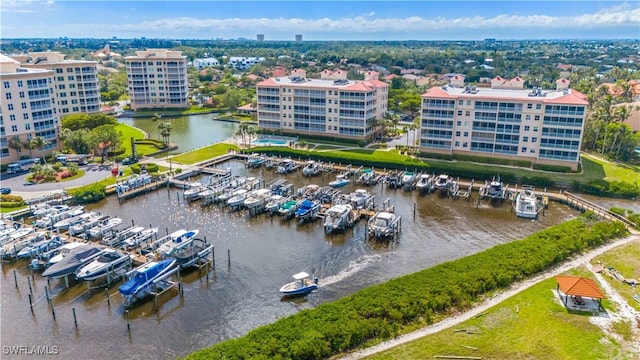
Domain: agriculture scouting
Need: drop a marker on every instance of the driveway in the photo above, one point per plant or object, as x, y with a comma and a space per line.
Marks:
20, 187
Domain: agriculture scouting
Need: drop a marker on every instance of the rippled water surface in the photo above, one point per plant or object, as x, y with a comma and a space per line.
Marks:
265, 252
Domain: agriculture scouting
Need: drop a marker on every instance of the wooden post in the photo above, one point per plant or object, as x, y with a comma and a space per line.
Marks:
213, 256
126, 312
53, 311
75, 320
229, 257
15, 278
29, 282
46, 291
414, 211
30, 302
106, 292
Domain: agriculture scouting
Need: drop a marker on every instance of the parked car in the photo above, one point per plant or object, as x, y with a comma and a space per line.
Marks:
5, 191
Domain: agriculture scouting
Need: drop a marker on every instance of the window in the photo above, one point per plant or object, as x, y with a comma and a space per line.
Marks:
533, 151
458, 123
538, 107
457, 143
20, 83
460, 102
524, 150
534, 139
70, 77
61, 86
25, 116
459, 112
466, 134
6, 84
535, 128
526, 128
27, 126
457, 133
527, 117
468, 102
525, 139
464, 144
14, 128
10, 106
529, 106
58, 71
23, 105
70, 70
8, 96
467, 113
21, 94
537, 118
60, 78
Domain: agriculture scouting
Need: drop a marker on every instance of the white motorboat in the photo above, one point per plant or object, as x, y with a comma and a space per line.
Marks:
50, 219
443, 182
87, 224
109, 263
116, 238
178, 240
194, 191
384, 225
257, 198
15, 235
40, 247
58, 254
311, 168
367, 177
301, 285
361, 199
495, 189
11, 249
238, 198
102, 229
274, 203
140, 238
286, 166
68, 222
341, 180
256, 160
408, 178
338, 217
425, 183
47, 209
526, 203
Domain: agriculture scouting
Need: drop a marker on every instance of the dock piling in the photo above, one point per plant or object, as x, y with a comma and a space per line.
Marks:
229, 257
106, 292
46, 292
29, 282
53, 310
126, 312
15, 278
30, 302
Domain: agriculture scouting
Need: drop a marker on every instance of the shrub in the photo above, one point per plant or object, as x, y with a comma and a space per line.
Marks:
553, 168
89, 194
610, 189
11, 198
11, 204
56, 166
152, 168
136, 169
177, 171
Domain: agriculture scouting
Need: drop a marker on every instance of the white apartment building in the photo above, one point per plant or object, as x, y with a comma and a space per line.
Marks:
505, 121
244, 63
326, 107
76, 81
204, 63
157, 78
27, 109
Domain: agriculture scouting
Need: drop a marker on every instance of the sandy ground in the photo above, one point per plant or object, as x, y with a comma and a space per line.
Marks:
625, 311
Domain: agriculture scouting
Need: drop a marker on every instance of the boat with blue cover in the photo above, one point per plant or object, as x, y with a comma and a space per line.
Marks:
143, 279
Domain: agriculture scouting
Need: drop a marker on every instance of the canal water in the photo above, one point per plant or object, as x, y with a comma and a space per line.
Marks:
188, 132
264, 253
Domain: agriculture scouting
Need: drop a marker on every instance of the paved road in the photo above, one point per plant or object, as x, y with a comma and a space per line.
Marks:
20, 187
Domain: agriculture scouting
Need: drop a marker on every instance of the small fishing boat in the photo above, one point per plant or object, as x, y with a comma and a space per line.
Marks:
183, 239
301, 285
384, 225
144, 279
14, 235
65, 224
394, 180
307, 209
40, 247
72, 261
341, 180
139, 238
50, 219
11, 249
274, 203
103, 228
526, 203
109, 262
257, 198
495, 189
408, 178
88, 224
286, 166
311, 168
189, 255
367, 177
361, 199
193, 192
425, 183
443, 182
238, 198
115, 239
256, 160
281, 187
338, 217
47, 209
289, 208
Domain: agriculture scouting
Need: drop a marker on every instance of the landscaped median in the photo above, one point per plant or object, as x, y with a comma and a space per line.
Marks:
591, 180
409, 302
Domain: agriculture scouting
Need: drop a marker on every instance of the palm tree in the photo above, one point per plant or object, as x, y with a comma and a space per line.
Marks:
39, 143
156, 119
15, 143
165, 131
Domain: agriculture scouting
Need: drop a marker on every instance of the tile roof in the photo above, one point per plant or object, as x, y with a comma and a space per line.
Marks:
577, 286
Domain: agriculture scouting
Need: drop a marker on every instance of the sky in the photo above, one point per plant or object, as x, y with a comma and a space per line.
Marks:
321, 20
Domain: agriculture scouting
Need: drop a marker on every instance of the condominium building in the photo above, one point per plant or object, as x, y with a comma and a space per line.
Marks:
335, 107
76, 81
244, 63
157, 78
27, 109
505, 121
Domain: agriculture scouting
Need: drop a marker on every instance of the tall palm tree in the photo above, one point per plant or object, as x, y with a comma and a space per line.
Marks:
165, 131
243, 131
39, 143
156, 119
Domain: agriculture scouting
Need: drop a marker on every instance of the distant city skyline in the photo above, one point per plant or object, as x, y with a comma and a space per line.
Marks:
321, 20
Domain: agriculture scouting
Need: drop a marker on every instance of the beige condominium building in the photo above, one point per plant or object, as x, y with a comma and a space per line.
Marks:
27, 110
157, 78
505, 121
76, 81
330, 106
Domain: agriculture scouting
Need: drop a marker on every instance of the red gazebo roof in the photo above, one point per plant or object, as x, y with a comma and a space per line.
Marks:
577, 286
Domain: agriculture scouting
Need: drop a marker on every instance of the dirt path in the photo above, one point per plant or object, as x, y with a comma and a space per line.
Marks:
488, 303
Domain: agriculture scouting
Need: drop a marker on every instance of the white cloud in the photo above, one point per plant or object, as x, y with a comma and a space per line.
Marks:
25, 6
622, 15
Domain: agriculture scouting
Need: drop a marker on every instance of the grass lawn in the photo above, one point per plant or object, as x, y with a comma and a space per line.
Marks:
626, 260
129, 132
4, 210
615, 171
530, 325
202, 154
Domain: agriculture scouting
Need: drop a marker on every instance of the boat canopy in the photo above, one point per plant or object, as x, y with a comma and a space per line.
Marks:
301, 276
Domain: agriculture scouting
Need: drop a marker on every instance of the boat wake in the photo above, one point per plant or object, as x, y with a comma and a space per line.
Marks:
354, 267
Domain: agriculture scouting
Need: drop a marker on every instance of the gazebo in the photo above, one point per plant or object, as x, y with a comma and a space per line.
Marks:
578, 288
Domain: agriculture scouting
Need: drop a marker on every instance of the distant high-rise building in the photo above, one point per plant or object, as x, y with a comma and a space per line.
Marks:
157, 79
27, 110
299, 37
75, 81
260, 37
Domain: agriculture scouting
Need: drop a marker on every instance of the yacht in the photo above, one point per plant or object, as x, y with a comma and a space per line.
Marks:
176, 242
443, 182
384, 225
257, 198
105, 227
107, 264
238, 198
361, 199
526, 203
338, 218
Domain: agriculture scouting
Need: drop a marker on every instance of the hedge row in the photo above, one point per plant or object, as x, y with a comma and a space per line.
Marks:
156, 143
553, 168
382, 311
477, 159
617, 189
10, 204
